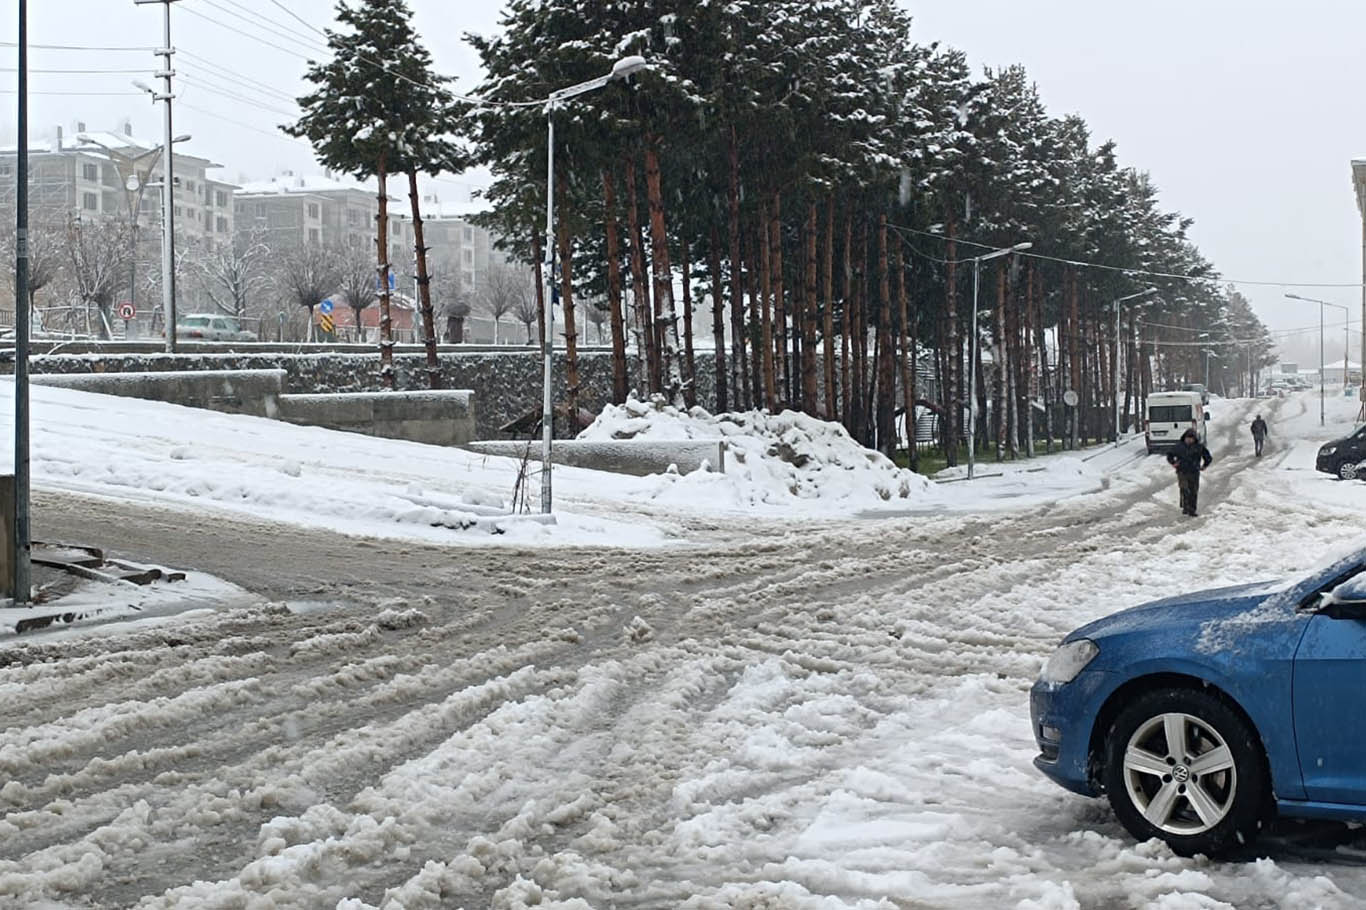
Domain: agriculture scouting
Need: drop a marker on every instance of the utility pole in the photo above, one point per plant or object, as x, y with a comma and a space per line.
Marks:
166, 52
20, 536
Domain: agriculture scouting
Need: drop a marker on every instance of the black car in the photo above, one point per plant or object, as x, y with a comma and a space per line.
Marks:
1342, 456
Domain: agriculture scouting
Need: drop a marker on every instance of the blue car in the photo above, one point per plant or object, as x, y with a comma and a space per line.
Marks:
1201, 717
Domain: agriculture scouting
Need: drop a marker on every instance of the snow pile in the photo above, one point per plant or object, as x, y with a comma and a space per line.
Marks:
784, 460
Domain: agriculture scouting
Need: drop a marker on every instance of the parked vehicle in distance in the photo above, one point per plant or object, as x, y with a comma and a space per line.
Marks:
211, 327
1342, 457
1166, 415
1200, 716
1197, 387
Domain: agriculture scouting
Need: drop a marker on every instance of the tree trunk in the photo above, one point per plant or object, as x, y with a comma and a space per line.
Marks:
765, 287
1001, 367
424, 289
571, 333
620, 381
810, 381
886, 376
828, 309
953, 402
753, 339
640, 289
862, 378
846, 313
689, 362
775, 267
718, 322
386, 325
738, 360
665, 316
907, 358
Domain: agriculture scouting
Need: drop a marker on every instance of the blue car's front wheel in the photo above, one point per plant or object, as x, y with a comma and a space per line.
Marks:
1183, 766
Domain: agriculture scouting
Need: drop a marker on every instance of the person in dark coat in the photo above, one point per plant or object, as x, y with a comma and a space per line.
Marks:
1189, 458
1259, 434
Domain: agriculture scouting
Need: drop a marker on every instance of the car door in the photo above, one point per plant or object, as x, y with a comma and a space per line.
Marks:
1329, 696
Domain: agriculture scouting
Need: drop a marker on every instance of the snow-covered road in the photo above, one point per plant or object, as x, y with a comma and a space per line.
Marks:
823, 714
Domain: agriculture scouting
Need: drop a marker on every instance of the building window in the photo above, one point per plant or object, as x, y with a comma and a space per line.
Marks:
469, 256
261, 209
222, 225
189, 185
6, 169
469, 235
220, 198
313, 210
177, 211
467, 280
90, 202
91, 172
312, 235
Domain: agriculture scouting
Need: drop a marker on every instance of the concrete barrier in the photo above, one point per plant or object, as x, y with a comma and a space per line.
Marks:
439, 418
621, 456
444, 418
233, 391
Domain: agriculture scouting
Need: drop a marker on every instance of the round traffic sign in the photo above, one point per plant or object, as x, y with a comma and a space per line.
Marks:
126, 310
1070, 398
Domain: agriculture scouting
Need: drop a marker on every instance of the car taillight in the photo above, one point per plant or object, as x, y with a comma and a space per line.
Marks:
194, 333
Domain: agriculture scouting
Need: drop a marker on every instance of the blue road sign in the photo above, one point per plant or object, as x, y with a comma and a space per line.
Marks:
326, 306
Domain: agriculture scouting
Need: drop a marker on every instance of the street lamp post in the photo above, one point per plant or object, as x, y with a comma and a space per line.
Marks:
1115, 359
972, 349
1347, 315
620, 70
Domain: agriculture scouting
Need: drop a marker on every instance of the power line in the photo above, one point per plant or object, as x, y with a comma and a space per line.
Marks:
286, 35
226, 93
297, 16
197, 60
1130, 271
77, 47
10, 91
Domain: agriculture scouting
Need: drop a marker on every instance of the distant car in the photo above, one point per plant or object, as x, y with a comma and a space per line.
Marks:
1343, 457
211, 327
1199, 716
1197, 387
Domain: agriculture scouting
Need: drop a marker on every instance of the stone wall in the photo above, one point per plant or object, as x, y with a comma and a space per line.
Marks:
506, 385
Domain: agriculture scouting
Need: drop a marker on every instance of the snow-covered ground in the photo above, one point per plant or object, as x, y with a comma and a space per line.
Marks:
823, 713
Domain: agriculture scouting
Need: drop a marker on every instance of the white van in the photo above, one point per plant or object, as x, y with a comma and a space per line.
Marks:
1167, 415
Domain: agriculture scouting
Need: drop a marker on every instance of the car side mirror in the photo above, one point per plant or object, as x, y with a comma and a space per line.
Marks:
1347, 600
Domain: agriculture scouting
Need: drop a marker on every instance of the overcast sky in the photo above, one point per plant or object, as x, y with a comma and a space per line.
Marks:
1245, 112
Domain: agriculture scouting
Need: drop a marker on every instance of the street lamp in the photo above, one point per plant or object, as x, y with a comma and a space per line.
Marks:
620, 70
1347, 315
1115, 359
135, 182
972, 349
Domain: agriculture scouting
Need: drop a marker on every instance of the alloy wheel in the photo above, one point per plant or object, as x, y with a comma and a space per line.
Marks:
1180, 774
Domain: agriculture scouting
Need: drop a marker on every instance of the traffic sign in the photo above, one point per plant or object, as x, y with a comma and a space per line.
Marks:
326, 306
1070, 398
325, 323
127, 311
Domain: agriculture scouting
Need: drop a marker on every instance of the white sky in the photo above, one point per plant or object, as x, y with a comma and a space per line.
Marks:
1242, 112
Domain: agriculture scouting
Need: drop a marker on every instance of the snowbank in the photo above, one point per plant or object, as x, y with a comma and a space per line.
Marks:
790, 461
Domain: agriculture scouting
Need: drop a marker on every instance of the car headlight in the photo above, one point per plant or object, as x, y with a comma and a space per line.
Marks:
1328, 450
1069, 660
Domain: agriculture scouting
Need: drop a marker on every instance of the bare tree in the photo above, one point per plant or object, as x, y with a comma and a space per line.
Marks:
45, 253
233, 275
525, 308
453, 299
357, 286
595, 311
499, 294
95, 259
308, 273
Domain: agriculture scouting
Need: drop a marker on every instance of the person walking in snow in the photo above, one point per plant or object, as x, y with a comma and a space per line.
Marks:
1259, 434
1189, 458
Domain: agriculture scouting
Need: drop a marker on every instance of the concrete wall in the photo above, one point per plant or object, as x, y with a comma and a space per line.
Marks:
444, 418
439, 418
233, 391
506, 381
622, 456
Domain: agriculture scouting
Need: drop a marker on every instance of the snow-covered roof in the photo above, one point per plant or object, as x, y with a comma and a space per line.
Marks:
293, 183
444, 209
98, 143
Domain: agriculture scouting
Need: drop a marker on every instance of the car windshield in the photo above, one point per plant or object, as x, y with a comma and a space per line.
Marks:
196, 322
1174, 413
